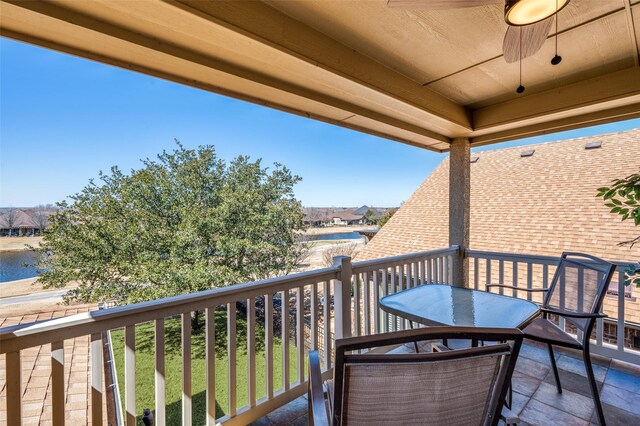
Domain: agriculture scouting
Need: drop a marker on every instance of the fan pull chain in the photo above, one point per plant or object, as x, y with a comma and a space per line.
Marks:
556, 59
520, 88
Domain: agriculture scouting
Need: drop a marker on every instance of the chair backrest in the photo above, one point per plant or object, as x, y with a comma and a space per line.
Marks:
462, 387
579, 286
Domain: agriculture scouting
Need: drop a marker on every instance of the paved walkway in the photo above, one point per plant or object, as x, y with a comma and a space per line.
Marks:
36, 371
535, 398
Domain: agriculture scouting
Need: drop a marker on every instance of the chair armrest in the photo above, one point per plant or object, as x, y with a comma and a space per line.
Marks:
531, 290
317, 408
572, 314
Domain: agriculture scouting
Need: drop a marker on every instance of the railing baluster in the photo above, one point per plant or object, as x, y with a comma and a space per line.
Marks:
580, 301
356, 305
529, 279
562, 298
416, 274
251, 351
620, 325
130, 374
231, 349
394, 324
13, 371
423, 277
326, 311
514, 292
268, 343
501, 274
186, 367
376, 300
385, 291
159, 416
97, 389
57, 382
300, 333
284, 312
210, 359
476, 272
488, 271
314, 317
406, 271
366, 303
429, 263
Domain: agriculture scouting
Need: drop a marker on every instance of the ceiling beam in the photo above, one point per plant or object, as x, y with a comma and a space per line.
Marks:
633, 32
598, 95
576, 122
267, 25
79, 23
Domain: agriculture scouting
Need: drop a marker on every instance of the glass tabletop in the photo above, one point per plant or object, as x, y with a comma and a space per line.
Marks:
437, 304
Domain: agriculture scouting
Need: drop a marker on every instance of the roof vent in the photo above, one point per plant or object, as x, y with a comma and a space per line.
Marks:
473, 159
593, 145
527, 153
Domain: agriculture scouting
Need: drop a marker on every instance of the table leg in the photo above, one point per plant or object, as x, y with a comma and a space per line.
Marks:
415, 344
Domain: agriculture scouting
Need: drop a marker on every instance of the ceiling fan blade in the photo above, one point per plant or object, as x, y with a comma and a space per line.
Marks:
533, 37
438, 4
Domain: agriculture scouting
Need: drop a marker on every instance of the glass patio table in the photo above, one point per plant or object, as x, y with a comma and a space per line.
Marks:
439, 304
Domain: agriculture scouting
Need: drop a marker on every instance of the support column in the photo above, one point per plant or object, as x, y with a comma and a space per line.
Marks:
459, 207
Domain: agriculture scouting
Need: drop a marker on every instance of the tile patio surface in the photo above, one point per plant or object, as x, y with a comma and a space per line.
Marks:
36, 370
535, 398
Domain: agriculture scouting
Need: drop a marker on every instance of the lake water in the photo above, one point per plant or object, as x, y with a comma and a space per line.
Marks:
11, 266
11, 263
336, 236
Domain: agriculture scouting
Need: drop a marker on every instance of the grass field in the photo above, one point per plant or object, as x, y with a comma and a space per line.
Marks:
173, 367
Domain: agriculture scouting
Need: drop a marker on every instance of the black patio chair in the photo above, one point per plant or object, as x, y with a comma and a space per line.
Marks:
459, 386
576, 294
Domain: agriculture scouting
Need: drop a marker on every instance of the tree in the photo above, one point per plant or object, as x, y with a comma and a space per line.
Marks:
11, 219
344, 249
386, 216
40, 217
186, 221
370, 217
623, 198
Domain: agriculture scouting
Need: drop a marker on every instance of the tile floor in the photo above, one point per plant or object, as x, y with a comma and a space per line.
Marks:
535, 399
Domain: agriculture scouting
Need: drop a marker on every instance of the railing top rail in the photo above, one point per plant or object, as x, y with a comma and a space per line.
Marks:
403, 258
528, 257
38, 333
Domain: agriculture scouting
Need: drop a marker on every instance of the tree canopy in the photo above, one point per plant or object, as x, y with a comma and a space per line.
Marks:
386, 216
623, 198
184, 222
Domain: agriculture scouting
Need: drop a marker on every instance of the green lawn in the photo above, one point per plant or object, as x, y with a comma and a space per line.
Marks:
173, 365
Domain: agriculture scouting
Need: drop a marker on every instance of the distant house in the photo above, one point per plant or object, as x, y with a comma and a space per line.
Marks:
23, 222
341, 216
16, 222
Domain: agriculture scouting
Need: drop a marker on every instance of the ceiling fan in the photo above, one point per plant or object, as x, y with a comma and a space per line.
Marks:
529, 21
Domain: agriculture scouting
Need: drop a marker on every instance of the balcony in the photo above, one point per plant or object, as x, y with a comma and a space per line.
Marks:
239, 369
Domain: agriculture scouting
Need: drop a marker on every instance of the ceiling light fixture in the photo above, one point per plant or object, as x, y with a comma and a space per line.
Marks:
527, 12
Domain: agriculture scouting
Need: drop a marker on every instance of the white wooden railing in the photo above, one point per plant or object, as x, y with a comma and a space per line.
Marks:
320, 300
328, 303
531, 271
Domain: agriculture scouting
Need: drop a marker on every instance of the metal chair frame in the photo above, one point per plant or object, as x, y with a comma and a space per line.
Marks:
586, 261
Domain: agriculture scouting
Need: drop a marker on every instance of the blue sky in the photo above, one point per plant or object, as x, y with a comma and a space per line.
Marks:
62, 119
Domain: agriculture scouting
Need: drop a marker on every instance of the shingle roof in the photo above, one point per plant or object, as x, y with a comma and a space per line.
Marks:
542, 204
21, 220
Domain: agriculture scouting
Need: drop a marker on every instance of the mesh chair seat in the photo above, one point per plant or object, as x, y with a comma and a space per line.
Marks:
543, 330
463, 386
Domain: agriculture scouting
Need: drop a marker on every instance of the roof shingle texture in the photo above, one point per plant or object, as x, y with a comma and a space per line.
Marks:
543, 204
